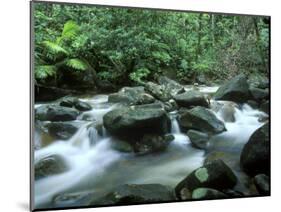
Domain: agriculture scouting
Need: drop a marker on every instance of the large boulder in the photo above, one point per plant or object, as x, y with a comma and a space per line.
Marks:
216, 175
135, 194
236, 90
53, 164
61, 130
202, 119
255, 157
170, 86
198, 139
191, 98
55, 113
207, 193
136, 120
158, 91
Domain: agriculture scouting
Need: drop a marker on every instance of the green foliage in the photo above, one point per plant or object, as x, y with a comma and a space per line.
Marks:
139, 75
127, 46
44, 71
54, 50
77, 64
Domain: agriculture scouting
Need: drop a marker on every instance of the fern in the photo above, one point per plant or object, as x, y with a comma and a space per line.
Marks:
53, 49
69, 31
44, 71
76, 64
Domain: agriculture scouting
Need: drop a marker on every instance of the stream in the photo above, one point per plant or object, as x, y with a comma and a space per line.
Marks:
95, 166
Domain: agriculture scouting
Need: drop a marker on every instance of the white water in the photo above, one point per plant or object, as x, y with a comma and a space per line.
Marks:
94, 165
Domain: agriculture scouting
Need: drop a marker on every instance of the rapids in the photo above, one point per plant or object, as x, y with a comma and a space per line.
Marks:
94, 165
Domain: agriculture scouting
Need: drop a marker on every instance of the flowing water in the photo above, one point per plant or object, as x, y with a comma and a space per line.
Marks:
94, 165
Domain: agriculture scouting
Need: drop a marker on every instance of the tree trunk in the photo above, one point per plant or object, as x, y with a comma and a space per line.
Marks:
198, 49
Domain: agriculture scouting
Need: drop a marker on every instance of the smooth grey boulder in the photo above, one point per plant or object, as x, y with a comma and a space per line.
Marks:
170, 86
158, 92
191, 98
53, 164
136, 120
198, 139
202, 119
255, 157
55, 113
236, 89
61, 130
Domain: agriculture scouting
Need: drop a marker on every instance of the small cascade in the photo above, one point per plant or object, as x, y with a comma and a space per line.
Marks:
93, 136
246, 121
175, 128
180, 138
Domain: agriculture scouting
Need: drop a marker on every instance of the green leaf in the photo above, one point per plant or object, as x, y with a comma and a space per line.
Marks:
139, 74
44, 71
70, 30
77, 64
53, 49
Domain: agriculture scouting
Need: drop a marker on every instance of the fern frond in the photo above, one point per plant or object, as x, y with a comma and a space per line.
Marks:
70, 30
44, 71
53, 49
77, 64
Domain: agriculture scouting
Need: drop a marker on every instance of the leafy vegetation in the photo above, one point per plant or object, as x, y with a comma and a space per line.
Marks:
87, 46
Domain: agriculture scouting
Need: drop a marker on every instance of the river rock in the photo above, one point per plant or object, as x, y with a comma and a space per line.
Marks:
82, 106
61, 130
170, 105
152, 143
258, 94
55, 113
158, 91
198, 139
255, 157
207, 193
202, 119
261, 182
131, 96
236, 90
53, 164
170, 86
227, 111
191, 98
136, 120
68, 101
216, 175
135, 194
